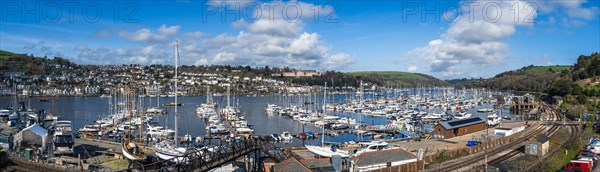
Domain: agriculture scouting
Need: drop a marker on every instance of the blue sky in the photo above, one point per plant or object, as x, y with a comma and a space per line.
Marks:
446, 39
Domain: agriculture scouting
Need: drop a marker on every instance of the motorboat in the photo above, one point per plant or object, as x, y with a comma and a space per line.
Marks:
155, 110
105, 96
339, 126
286, 136
327, 151
88, 128
275, 137
462, 115
372, 146
218, 129
485, 110
493, 120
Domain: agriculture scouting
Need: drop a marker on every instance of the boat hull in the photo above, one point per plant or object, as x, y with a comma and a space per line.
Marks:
131, 156
325, 152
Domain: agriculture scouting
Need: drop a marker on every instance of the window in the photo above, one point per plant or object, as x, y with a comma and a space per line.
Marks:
533, 149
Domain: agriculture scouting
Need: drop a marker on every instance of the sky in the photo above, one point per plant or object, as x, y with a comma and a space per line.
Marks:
446, 39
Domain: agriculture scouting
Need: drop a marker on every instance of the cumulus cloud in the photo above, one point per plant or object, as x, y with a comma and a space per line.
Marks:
146, 35
477, 41
412, 68
273, 41
572, 8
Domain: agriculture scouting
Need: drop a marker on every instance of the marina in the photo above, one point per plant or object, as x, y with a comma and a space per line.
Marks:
287, 121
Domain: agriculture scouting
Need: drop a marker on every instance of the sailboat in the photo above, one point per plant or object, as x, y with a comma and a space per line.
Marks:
169, 149
132, 150
322, 150
157, 109
207, 109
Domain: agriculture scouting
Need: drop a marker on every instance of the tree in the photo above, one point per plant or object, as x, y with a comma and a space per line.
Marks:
581, 99
560, 88
576, 89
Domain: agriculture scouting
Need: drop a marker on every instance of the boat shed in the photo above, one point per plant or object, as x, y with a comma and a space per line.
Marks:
449, 129
34, 135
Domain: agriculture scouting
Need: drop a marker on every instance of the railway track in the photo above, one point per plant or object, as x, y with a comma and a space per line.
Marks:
470, 161
555, 116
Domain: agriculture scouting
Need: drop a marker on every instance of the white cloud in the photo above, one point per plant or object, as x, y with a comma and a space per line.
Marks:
168, 30
337, 61
477, 42
146, 35
575, 9
412, 68
269, 41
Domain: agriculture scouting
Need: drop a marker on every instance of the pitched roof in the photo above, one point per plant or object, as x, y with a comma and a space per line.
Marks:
462, 122
320, 164
383, 156
291, 164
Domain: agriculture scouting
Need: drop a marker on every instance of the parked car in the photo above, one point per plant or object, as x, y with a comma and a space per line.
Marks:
587, 155
583, 165
593, 153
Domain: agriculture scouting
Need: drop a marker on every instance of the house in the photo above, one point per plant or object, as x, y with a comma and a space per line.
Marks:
449, 129
538, 145
376, 160
290, 164
299, 73
293, 164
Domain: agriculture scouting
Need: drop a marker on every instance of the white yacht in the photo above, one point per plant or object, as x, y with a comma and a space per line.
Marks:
286, 136
327, 151
372, 146
217, 129
462, 115
493, 119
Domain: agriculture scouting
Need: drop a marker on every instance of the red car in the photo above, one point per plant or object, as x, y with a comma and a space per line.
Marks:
592, 153
583, 165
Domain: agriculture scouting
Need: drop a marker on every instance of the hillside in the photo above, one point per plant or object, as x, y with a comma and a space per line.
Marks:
4, 55
395, 78
556, 68
12, 62
529, 78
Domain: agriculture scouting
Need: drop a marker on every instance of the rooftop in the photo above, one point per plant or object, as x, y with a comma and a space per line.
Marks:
462, 122
383, 156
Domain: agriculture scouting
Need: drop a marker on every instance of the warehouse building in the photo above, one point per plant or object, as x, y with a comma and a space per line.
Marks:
449, 129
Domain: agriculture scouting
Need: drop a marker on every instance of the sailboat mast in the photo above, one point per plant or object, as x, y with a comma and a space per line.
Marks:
141, 113
130, 110
324, 113
176, 64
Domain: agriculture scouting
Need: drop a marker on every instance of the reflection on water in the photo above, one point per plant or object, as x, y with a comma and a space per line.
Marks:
85, 110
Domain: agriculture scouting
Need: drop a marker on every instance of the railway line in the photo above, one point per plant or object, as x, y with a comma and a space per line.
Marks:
512, 148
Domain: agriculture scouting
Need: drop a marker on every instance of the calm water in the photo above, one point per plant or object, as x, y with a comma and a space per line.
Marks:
86, 110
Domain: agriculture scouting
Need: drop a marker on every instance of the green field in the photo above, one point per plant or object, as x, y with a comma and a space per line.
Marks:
5, 55
392, 75
395, 78
554, 68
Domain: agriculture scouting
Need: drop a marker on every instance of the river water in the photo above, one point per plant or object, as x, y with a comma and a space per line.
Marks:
86, 110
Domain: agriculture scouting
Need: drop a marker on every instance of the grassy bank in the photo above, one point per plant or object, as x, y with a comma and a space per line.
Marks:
565, 153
